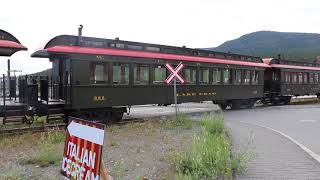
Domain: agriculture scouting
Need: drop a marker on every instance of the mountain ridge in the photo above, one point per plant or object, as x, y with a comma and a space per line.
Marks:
290, 45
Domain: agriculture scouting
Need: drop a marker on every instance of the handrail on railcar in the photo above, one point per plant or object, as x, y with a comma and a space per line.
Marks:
4, 98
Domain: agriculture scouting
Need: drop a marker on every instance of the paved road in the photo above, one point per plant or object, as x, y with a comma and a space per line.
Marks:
278, 157
301, 122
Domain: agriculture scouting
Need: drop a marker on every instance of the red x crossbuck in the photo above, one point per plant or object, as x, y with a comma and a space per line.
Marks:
174, 73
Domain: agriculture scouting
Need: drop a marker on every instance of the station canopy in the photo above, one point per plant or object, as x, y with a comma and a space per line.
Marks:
9, 44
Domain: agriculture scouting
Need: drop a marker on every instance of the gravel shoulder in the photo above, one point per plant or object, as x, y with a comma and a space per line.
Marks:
131, 151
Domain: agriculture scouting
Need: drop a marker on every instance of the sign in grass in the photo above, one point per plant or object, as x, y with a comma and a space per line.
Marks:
83, 150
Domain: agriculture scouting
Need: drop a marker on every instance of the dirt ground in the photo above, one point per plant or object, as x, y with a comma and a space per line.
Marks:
131, 151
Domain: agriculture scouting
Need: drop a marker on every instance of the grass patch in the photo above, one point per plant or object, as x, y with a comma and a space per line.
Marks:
210, 155
7, 141
12, 175
47, 156
117, 169
50, 144
32, 139
53, 136
181, 121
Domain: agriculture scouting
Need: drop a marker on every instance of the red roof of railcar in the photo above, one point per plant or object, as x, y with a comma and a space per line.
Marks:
144, 54
288, 66
11, 44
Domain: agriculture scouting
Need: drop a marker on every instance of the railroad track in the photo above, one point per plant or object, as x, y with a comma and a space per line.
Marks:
32, 129
47, 127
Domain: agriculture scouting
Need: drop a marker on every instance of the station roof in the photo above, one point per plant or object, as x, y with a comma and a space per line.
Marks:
9, 44
287, 64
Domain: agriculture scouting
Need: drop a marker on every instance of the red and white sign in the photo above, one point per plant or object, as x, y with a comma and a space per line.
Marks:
174, 73
83, 150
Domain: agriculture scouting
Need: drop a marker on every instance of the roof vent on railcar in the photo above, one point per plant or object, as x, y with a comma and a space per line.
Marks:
80, 34
317, 60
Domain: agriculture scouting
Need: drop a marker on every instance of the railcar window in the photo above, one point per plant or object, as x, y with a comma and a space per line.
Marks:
275, 76
204, 76
227, 76
222, 56
141, 74
238, 77
216, 76
305, 78
190, 75
287, 77
247, 77
149, 48
135, 47
311, 78
300, 78
316, 78
98, 73
254, 77
121, 74
119, 45
159, 75
294, 77
203, 53
212, 55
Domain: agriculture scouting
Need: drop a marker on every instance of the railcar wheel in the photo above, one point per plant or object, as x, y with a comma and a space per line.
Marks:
236, 105
28, 119
275, 103
116, 116
223, 106
251, 103
286, 101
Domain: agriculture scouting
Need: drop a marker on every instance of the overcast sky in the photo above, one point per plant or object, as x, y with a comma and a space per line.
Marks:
194, 23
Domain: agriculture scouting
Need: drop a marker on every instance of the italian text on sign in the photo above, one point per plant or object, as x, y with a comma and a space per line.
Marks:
83, 150
174, 73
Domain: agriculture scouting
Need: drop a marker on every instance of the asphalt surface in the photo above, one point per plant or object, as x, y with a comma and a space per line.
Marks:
273, 156
300, 122
282, 138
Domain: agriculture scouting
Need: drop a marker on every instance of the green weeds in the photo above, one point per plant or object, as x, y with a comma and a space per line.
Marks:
47, 156
181, 121
210, 155
50, 145
12, 175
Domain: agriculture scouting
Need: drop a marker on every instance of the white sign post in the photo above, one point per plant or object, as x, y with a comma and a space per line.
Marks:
174, 76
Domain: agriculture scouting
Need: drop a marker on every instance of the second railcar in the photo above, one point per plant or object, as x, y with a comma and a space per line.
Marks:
287, 78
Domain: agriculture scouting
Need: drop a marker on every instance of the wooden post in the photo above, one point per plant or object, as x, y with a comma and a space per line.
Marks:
103, 172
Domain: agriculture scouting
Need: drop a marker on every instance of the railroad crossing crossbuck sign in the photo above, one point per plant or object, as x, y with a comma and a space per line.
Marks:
174, 73
83, 150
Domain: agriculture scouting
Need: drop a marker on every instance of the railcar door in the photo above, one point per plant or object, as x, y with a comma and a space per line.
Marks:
272, 81
61, 72
55, 79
